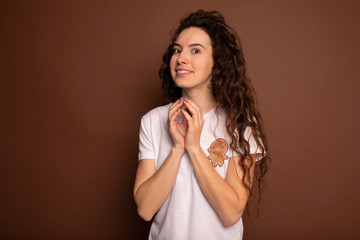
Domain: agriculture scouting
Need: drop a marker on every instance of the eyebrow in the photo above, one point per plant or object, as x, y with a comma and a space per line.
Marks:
191, 45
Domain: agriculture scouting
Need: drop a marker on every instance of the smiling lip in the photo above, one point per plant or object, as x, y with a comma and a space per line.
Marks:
182, 72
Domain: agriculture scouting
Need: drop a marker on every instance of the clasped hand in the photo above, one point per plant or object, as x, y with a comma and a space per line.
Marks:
186, 133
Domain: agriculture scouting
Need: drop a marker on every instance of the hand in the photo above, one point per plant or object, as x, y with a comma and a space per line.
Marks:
177, 129
195, 122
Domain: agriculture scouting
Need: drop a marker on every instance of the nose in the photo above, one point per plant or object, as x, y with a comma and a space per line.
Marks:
182, 59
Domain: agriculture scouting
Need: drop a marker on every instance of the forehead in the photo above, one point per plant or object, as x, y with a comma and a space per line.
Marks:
193, 35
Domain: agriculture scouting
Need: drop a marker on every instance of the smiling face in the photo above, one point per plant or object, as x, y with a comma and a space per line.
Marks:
192, 61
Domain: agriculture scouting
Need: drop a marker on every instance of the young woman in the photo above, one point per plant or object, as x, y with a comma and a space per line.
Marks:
199, 154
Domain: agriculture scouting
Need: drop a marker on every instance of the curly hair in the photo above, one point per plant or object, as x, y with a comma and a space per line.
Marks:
231, 88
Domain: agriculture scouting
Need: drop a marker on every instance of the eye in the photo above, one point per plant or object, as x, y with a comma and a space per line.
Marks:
176, 50
195, 50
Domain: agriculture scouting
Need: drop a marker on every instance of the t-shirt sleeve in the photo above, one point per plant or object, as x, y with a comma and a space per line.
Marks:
146, 147
254, 148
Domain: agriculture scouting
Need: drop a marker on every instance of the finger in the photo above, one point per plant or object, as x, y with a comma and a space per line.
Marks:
175, 107
174, 110
176, 103
187, 109
193, 105
194, 110
188, 118
199, 111
173, 118
197, 107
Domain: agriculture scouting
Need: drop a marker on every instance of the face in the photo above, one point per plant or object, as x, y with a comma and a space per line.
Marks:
192, 61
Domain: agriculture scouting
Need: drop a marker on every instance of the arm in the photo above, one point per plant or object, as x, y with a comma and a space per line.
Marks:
152, 186
228, 197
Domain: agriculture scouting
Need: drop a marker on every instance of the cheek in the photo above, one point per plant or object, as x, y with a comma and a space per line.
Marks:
206, 67
172, 62
172, 66
205, 64
210, 67
211, 63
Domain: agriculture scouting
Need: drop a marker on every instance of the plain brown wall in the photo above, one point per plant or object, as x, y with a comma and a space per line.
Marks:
76, 76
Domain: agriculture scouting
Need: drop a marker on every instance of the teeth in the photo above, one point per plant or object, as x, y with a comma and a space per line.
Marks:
183, 71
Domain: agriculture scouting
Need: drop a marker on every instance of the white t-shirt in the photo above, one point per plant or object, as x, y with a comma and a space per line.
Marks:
186, 214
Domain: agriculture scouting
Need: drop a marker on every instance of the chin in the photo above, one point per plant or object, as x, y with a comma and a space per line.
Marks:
182, 85
179, 83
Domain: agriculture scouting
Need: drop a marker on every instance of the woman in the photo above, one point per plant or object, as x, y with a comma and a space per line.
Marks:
198, 155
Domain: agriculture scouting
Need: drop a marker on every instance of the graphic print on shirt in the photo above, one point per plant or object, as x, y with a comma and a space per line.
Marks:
218, 151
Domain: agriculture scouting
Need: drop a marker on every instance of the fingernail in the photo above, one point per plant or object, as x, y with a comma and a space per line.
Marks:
180, 99
186, 99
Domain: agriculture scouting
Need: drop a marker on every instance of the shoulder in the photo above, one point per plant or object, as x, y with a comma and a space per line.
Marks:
157, 113
154, 122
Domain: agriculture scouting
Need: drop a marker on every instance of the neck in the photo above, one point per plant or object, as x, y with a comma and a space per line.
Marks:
204, 99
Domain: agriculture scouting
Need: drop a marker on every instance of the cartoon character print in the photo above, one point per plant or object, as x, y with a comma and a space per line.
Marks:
217, 152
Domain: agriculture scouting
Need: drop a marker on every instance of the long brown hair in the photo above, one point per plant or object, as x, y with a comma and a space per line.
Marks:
231, 87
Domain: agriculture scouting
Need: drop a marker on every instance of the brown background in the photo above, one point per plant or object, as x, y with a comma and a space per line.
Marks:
76, 76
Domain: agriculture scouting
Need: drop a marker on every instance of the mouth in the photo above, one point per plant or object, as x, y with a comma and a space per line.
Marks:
182, 72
